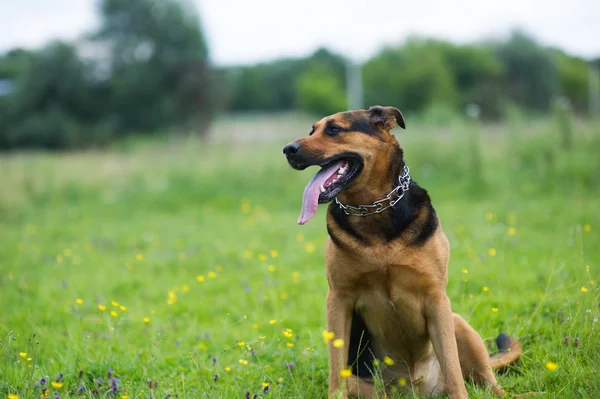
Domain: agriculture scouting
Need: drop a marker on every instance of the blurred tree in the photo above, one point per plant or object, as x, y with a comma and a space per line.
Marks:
273, 86
160, 74
320, 91
55, 103
573, 79
531, 75
411, 77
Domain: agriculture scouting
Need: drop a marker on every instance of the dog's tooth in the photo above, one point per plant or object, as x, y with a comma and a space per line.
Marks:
322, 188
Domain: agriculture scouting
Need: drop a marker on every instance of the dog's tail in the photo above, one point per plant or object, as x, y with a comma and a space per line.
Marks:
510, 351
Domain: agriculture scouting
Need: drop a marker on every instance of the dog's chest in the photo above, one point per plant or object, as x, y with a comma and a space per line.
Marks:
389, 308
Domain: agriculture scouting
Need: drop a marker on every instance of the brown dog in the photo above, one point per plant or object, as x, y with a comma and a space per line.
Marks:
387, 258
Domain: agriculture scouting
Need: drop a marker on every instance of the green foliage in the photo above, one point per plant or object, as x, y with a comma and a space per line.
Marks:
274, 86
157, 76
531, 76
573, 79
55, 103
320, 92
141, 228
411, 77
160, 76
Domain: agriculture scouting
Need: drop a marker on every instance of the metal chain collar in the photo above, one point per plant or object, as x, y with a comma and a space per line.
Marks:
378, 206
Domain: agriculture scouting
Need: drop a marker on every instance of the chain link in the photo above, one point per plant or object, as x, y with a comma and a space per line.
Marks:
378, 206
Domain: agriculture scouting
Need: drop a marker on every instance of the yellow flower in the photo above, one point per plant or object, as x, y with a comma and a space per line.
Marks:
274, 253
12, 396
388, 360
246, 208
283, 296
79, 301
310, 247
113, 313
346, 373
485, 289
272, 321
115, 304
23, 354
296, 277
139, 257
261, 337
146, 320
376, 363
200, 278
28, 359
57, 385
328, 336
243, 361
255, 325
262, 257
124, 396
185, 288
265, 384
492, 252
271, 268
241, 343
248, 254
212, 275
288, 333
338, 343
512, 231
465, 271
587, 228
551, 366
583, 289
227, 368
280, 379
495, 310
299, 237
123, 308
402, 381
101, 307
290, 344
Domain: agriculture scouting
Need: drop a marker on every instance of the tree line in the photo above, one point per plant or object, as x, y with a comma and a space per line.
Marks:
147, 70
418, 76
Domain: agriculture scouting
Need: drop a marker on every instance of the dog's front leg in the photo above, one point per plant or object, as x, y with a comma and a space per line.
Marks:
440, 325
339, 319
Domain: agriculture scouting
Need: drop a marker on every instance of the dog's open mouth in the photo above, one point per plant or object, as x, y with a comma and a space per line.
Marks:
334, 176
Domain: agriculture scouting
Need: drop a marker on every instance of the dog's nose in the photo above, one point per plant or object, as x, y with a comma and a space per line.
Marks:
291, 149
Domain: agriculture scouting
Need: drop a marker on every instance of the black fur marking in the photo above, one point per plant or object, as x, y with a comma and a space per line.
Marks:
360, 348
403, 216
426, 229
503, 342
362, 125
338, 243
344, 223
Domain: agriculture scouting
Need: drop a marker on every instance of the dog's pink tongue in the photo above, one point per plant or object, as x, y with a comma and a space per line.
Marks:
310, 199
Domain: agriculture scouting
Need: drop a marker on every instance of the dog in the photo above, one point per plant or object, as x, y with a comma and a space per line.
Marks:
386, 265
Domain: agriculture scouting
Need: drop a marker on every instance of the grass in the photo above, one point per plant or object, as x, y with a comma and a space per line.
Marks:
178, 265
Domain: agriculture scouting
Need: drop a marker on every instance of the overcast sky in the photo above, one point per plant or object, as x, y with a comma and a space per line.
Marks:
245, 31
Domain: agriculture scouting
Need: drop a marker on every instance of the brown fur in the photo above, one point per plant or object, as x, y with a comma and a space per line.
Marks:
398, 288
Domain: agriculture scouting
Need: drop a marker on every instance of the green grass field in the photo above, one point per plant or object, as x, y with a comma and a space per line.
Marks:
178, 264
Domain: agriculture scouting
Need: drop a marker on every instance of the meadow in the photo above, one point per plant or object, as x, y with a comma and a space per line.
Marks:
174, 267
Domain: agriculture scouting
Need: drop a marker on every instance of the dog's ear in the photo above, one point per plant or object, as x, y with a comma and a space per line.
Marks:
387, 117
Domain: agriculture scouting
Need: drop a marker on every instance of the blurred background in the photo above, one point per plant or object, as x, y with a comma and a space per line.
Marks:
80, 73
148, 215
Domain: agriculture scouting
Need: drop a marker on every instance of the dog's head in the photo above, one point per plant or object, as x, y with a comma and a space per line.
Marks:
350, 147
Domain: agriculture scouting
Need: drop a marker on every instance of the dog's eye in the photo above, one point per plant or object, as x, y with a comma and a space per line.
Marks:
333, 130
